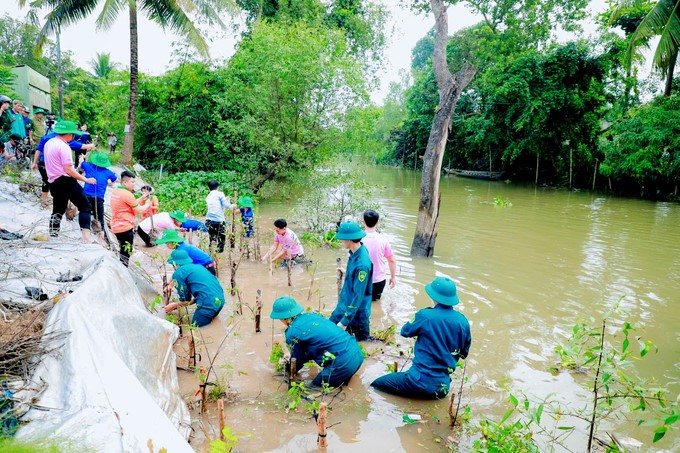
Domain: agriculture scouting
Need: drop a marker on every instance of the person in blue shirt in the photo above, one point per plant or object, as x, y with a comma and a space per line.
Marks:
98, 168
353, 311
176, 242
195, 285
39, 160
194, 225
311, 337
247, 218
443, 337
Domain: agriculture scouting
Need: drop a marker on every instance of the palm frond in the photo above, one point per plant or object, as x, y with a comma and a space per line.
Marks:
670, 39
109, 13
168, 14
661, 21
622, 7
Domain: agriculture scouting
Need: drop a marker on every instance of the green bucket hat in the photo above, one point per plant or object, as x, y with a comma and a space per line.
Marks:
350, 231
285, 307
39, 110
66, 127
178, 215
169, 236
179, 258
245, 202
443, 291
100, 159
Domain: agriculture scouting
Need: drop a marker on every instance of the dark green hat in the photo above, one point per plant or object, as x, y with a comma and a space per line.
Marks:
169, 235
246, 202
100, 159
350, 231
179, 258
443, 291
285, 307
178, 215
66, 127
39, 110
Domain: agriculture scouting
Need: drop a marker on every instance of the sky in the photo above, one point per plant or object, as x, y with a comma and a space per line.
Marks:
155, 45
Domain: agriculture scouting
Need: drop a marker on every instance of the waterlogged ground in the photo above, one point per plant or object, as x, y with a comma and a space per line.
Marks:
525, 272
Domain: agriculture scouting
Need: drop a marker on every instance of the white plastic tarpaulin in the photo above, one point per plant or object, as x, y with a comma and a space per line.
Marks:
113, 385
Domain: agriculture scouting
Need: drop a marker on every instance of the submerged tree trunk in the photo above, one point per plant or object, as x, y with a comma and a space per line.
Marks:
128, 143
450, 88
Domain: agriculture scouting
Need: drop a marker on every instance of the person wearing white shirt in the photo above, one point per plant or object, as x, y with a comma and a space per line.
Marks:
215, 220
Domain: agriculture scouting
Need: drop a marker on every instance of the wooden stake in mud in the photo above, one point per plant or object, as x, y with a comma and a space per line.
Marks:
322, 441
220, 412
192, 349
257, 243
396, 366
239, 307
258, 310
337, 261
452, 418
234, 266
289, 265
232, 237
293, 370
166, 293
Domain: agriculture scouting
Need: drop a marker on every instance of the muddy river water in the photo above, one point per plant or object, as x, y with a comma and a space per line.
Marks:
525, 273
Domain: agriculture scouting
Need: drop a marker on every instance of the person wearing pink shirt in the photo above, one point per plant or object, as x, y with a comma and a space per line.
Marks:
380, 252
63, 179
289, 242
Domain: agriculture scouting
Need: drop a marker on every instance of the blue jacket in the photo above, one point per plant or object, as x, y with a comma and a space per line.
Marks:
73, 144
102, 175
354, 303
310, 336
443, 337
194, 280
197, 255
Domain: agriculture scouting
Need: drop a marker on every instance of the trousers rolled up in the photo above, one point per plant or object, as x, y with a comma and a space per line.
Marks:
63, 190
43, 175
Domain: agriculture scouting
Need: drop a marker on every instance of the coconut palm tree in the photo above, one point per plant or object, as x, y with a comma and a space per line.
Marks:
663, 20
101, 65
169, 14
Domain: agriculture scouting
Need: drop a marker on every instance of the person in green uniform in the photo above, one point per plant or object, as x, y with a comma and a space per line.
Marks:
353, 311
310, 336
443, 337
195, 285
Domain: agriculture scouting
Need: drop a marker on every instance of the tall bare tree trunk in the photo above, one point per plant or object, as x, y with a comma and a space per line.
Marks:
669, 75
128, 143
450, 88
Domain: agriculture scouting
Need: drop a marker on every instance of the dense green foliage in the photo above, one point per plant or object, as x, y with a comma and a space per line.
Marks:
537, 110
643, 149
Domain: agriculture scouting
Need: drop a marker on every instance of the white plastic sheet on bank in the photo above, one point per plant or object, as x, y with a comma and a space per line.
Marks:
113, 386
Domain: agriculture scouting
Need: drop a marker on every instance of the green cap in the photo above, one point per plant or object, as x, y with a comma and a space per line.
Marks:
443, 291
285, 307
349, 231
100, 159
66, 127
179, 258
245, 202
169, 235
178, 215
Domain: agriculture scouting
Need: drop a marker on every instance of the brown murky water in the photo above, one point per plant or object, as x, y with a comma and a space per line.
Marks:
525, 272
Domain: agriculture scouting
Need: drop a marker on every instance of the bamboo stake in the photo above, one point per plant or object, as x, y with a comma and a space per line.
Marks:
339, 276
233, 265
322, 440
396, 366
232, 238
289, 264
293, 370
192, 350
595, 173
452, 419
220, 411
258, 310
239, 308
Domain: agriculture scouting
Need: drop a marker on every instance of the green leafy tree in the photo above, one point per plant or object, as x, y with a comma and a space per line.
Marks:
642, 150
287, 85
663, 20
169, 14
